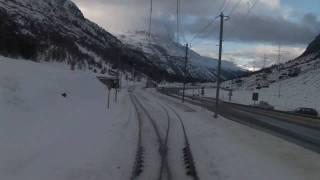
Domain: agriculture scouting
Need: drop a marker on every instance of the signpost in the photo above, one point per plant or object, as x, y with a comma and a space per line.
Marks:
230, 94
111, 83
255, 97
202, 91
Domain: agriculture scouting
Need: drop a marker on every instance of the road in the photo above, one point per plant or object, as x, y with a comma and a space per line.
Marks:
302, 130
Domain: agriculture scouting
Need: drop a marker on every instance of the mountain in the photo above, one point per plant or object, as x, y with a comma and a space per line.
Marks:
313, 48
46, 30
288, 86
56, 30
309, 60
170, 56
294, 75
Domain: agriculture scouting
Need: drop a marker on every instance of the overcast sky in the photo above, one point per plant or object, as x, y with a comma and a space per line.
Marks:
256, 27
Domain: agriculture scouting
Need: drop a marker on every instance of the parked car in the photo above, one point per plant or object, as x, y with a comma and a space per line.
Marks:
264, 105
306, 111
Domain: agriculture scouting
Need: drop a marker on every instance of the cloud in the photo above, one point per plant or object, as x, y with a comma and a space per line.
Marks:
263, 55
251, 24
261, 28
311, 20
268, 23
256, 55
126, 16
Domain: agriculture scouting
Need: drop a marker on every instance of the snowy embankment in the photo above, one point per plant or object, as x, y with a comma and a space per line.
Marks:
46, 136
301, 91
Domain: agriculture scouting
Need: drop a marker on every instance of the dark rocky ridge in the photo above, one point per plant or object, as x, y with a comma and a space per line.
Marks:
314, 47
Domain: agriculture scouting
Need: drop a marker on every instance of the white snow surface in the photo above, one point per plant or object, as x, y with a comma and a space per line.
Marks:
44, 136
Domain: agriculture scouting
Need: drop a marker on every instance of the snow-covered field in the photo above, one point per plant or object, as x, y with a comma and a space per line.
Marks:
44, 136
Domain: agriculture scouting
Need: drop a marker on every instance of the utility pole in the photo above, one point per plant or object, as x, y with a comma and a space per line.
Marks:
264, 60
279, 62
118, 75
222, 19
185, 72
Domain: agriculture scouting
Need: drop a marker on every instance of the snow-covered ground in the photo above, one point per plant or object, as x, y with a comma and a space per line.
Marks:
44, 136
227, 150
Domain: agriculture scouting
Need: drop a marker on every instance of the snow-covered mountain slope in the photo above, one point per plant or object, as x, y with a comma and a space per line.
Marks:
287, 86
170, 56
307, 63
286, 95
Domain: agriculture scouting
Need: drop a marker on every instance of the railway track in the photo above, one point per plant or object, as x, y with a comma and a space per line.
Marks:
164, 171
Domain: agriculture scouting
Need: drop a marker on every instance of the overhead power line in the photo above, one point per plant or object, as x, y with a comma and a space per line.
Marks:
226, 6
235, 7
253, 6
222, 6
178, 21
197, 35
150, 18
181, 27
246, 15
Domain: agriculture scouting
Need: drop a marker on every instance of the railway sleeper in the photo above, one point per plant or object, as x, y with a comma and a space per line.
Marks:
189, 163
139, 163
